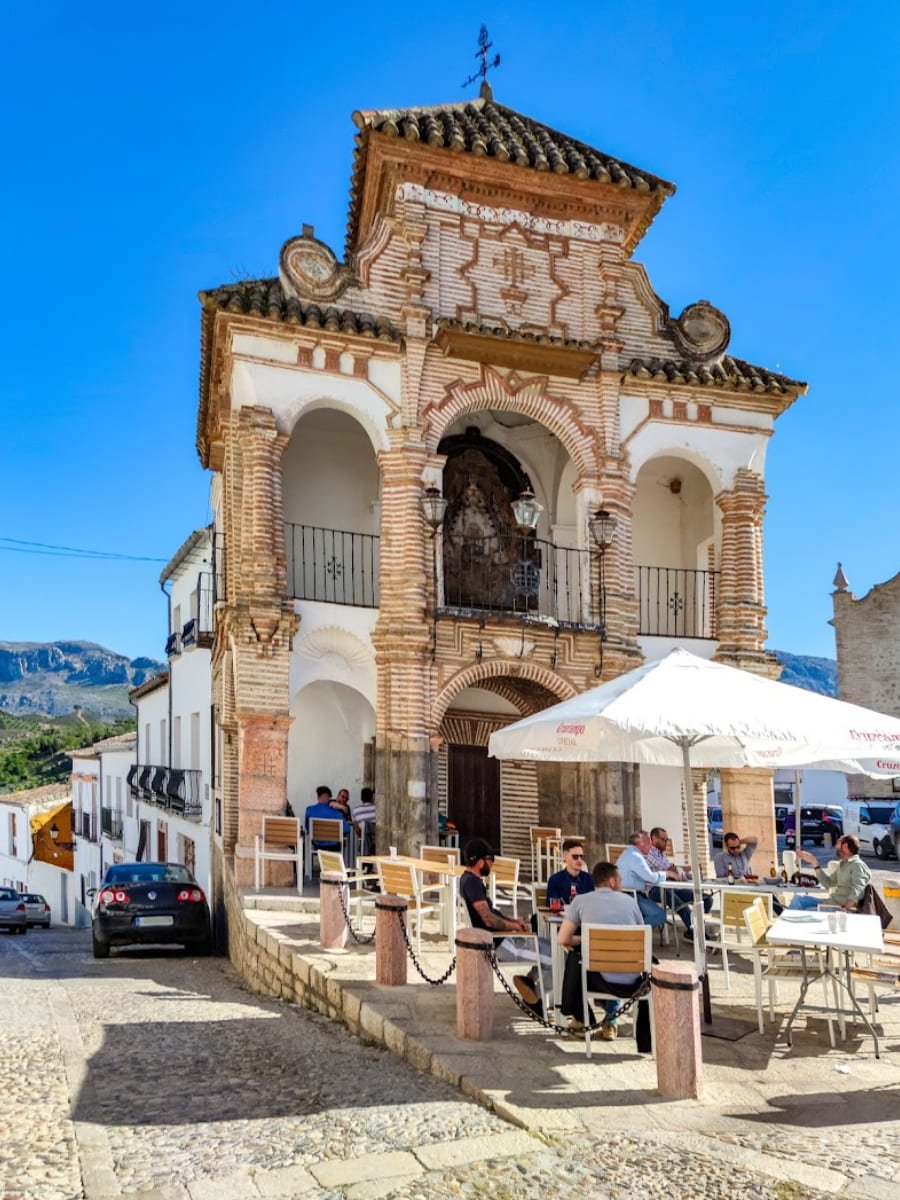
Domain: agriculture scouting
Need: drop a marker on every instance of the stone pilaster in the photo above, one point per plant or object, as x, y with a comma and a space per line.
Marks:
598, 801
740, 608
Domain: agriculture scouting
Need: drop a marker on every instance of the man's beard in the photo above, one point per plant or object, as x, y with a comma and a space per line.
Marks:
485, 871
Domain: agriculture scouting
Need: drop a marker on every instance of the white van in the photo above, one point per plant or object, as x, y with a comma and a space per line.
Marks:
870, 821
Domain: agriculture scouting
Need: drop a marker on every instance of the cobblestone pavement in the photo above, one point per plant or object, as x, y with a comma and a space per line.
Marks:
156, 1074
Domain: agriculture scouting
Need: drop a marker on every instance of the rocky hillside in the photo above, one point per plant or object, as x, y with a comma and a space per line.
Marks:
56, 678
814, 674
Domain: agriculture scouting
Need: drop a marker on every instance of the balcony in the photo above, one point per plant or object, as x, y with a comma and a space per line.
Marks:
111, 823
332, 565
86, 828
503, 575
198, 631
173, 788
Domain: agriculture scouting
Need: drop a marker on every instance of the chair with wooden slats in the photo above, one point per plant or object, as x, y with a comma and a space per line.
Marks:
433, 885
504, 884
729, 930
614, 949
612, 851
323, 832
540, 837
400, 879
333, 862
280, 840
771, 963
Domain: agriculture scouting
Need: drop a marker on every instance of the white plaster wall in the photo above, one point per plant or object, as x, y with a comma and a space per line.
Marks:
331, 723
654, 648
330, 475
661, 802
718, 452
334, 642
153, 708
669, 527
481, 701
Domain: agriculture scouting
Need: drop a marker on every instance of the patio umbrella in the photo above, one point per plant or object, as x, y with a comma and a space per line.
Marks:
690, 712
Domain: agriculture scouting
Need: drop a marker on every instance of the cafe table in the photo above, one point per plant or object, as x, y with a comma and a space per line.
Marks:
809, 928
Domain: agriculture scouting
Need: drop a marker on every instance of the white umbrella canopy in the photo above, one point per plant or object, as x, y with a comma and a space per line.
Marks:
689, 712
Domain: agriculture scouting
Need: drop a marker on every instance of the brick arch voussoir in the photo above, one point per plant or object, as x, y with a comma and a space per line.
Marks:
478, 673
528, 397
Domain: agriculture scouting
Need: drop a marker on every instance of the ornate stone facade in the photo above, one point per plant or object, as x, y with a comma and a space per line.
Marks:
487, 306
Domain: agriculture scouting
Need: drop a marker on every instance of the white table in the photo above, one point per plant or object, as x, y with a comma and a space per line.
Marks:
863, 935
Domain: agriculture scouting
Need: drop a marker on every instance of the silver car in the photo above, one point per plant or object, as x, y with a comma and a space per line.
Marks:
37, 910
12, 911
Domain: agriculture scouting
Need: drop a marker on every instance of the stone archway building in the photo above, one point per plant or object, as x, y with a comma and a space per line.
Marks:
488, 293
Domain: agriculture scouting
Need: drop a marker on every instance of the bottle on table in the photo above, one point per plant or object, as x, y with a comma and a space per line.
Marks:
730, 873
784, 874
773, 874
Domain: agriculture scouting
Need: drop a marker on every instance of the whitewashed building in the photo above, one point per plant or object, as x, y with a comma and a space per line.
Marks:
31, 859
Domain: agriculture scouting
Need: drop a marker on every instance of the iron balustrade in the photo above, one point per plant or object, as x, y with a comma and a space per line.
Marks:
676, 602
111, 822
506, 573
332, 565
175, 789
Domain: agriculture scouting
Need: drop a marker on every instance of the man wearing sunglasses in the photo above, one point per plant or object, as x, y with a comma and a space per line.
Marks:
573, 880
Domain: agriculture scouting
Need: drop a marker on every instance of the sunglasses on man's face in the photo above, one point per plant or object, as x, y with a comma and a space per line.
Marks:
572, 854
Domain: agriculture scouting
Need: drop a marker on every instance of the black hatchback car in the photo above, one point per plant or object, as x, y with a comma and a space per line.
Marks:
150, 902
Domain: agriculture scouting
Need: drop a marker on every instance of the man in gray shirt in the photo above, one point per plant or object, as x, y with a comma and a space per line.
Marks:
606, 905
736, 853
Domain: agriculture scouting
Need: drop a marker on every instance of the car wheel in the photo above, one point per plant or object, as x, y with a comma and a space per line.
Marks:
100, 949
878, 849
22, 929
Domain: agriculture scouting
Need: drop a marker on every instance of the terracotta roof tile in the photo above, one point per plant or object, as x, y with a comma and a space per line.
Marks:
725, 372
266, 298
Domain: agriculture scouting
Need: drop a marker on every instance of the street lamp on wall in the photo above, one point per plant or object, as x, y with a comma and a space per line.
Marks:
434, 508
603, 529
54, 837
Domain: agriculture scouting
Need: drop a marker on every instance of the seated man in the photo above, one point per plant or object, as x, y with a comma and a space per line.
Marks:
478, 858
606, 905
682, 899
341, 803
846, 883
323, 809
364, 820
736, 853
573, 880
637, 876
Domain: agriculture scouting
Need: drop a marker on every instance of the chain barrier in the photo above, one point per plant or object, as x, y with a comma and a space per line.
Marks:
625, 1006
364, 939
415, 962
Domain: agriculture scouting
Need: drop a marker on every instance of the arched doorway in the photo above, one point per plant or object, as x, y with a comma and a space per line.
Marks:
332, 724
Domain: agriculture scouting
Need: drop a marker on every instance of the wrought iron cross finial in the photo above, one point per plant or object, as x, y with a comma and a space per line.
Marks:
484, 44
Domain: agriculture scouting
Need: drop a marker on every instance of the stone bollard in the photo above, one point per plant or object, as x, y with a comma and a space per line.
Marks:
332, 926
474, 986
390, 948
679, 1060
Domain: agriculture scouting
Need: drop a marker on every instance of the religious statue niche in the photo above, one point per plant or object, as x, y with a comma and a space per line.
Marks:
489, 565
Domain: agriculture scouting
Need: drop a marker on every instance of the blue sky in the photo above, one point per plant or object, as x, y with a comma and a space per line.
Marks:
149, 153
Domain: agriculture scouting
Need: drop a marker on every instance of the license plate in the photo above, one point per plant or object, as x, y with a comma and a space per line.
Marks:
153, 921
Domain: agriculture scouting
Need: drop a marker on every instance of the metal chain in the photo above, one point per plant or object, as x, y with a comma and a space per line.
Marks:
624, 1007
415, 962
364, 939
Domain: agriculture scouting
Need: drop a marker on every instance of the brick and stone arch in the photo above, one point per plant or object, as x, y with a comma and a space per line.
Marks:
527, 396
372, 417
510, 672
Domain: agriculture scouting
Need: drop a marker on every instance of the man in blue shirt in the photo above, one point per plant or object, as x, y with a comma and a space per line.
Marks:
637, 876
573, 880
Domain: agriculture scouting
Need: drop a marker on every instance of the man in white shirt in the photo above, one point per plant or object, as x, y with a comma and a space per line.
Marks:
638, 876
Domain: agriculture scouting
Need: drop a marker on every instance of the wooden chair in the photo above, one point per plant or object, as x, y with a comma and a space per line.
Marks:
446, 856
613, 850
732, 929
281, 840
504, 883
323, 830
776, 962
539, 836
333, 861
400, 879
614, 949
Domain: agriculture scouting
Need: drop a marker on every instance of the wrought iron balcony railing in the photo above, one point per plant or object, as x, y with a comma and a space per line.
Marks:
676, 602
174, 788
111, 822
332, 565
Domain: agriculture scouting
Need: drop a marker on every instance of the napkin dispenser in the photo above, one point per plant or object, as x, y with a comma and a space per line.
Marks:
790, 862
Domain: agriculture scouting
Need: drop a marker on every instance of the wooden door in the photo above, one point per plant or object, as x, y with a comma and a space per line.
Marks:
473, 793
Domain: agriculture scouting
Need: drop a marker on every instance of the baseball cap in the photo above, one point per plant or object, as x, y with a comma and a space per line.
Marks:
477, 848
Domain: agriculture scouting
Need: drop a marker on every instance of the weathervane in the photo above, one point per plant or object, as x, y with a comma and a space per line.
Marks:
482, 53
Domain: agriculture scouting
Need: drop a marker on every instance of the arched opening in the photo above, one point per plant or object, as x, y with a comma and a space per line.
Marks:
332, 726
488, 563
675, 538
330, 491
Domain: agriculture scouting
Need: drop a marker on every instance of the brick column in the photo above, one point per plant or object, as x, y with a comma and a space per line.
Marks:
740, 611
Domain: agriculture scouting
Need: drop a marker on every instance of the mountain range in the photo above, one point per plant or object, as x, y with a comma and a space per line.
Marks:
56, 678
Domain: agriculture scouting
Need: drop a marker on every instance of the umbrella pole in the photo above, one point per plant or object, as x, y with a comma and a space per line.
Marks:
696, 879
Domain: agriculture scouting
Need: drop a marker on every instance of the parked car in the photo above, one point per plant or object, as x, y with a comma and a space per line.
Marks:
817, 822
870, 821
149, 902
37, 910
895, 830
714, 823
12, 911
